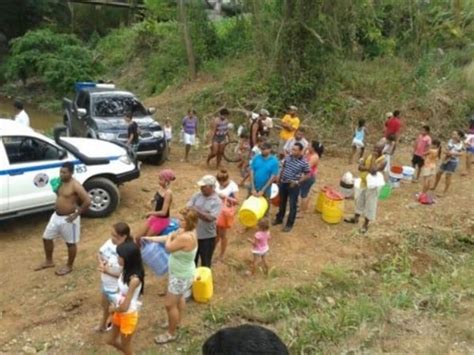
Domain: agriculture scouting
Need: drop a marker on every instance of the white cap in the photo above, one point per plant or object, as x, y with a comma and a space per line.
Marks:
207, 180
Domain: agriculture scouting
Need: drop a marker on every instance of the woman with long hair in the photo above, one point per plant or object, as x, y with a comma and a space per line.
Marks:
315, 151
110, 270
227, 190
159, 219
131, 284
182, 246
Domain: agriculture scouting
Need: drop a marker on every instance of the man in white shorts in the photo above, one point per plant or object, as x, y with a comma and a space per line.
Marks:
65, 221
190, 125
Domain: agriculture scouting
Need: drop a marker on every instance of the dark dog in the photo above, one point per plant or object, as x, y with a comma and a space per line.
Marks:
243, 340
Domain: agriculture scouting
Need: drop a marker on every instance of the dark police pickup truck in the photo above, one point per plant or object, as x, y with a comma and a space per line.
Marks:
98, 111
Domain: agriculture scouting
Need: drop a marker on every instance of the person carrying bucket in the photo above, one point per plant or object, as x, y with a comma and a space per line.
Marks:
366, 201
263, 172
207, 205
295, 171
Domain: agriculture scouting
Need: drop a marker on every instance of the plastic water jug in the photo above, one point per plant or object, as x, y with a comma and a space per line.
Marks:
154, 255
252, 210
333, 208
203, 288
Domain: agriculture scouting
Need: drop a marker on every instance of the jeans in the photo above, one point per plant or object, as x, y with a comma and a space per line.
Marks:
291, 193
205, 251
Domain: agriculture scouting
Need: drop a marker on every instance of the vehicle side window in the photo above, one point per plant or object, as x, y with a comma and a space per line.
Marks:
83, 100
29, 149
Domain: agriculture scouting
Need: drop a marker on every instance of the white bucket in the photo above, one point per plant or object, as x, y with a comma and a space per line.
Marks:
394, 182
408, 173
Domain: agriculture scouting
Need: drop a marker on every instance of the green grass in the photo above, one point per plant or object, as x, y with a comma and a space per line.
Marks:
328, 311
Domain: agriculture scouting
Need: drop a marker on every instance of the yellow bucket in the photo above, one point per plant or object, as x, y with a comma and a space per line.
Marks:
320, 200
252, 210
202, 286
333, 208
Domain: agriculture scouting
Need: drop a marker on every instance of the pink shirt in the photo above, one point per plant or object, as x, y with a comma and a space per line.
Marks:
261, 244
422, 145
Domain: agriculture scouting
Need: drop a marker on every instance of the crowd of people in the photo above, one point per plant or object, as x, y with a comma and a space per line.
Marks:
208, 216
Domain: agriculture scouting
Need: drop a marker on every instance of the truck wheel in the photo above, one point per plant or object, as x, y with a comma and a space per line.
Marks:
160, 158
105, 197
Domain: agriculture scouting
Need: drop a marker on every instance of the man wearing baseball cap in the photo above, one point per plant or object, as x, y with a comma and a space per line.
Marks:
207, 205
289, 124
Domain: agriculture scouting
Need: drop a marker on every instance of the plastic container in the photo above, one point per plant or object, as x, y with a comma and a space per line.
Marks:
333, 208
394, 182
385, 192
396, 170
252, 210
154, 255
321, 198
203, 288
408, 173
275, 201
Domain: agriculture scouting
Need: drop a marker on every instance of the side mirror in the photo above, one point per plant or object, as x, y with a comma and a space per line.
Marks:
62, 154
151, 110
81, 112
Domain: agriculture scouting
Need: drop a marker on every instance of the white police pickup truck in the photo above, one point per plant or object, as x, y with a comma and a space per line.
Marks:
29, 161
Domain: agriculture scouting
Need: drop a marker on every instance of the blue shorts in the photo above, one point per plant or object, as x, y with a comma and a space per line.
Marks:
470, 150
448, 167
306, 185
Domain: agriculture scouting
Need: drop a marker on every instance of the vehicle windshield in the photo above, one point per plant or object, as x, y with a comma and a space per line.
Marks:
117, 106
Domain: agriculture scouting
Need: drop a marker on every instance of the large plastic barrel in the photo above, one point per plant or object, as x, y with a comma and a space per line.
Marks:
321, 198
252, 210
203, 288
333, 208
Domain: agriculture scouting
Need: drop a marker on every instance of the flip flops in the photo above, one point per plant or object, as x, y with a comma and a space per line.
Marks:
165, 338
63, 270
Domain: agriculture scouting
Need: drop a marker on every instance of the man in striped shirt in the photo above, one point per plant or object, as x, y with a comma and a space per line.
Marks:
295, 170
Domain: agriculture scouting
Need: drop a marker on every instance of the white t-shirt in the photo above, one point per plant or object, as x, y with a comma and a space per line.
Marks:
168, 133
267, 123
23, 118
108, 253
232, 188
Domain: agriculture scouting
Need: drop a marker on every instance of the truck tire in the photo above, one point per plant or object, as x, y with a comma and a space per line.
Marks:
105, 197
160, 158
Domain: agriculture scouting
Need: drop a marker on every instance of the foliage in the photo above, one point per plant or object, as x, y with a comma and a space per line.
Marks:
325, 312
57, 59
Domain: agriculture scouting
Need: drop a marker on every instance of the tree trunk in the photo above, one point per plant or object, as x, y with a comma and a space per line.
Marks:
187, 39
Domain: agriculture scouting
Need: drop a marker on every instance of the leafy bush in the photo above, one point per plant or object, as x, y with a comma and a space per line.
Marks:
57, 59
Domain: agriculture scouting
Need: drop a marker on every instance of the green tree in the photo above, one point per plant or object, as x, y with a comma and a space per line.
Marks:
57, 59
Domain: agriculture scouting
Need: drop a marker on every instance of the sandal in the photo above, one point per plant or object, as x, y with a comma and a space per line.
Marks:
64, 270
350, 220
165, 338
364, 230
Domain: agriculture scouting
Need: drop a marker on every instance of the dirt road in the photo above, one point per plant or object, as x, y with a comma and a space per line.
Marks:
42, 312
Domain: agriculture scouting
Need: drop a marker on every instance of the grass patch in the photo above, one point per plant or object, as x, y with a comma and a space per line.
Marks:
325, 313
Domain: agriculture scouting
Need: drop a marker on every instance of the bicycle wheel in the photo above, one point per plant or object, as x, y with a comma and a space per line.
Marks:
231, 152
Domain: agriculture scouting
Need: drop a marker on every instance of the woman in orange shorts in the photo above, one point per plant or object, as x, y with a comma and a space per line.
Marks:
130, 283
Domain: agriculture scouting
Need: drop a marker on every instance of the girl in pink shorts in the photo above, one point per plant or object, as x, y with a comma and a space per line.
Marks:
159, 219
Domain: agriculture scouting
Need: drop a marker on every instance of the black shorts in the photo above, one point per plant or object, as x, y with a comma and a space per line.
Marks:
417, 161
219, 139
